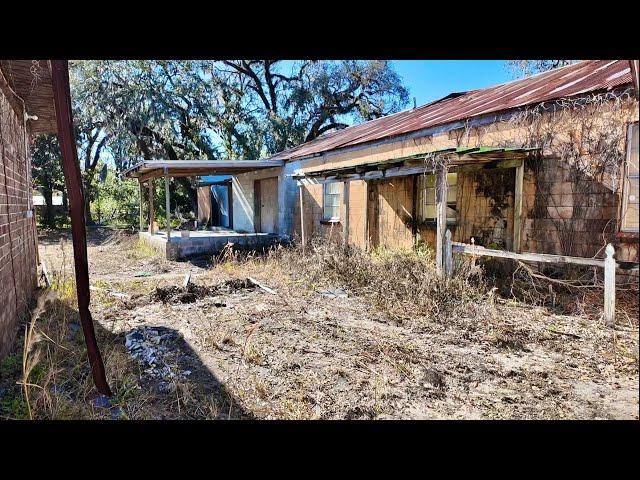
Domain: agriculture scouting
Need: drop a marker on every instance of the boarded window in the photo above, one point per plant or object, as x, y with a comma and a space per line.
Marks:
427, 198
630, 194
331, 201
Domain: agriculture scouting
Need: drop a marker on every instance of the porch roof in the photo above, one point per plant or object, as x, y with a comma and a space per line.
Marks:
150, 169
416, 163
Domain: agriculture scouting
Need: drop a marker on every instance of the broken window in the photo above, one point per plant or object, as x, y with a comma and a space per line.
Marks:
331, 201
630, 195
427, 198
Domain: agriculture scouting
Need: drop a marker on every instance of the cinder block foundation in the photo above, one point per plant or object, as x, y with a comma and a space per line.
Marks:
205, 242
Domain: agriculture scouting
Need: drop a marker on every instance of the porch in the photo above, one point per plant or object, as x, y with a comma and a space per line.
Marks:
202, 242
178, 244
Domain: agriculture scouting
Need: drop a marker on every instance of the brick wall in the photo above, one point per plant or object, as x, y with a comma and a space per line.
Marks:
17, 232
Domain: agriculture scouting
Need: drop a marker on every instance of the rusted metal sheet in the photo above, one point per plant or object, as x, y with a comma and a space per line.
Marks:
575, 79
73, 180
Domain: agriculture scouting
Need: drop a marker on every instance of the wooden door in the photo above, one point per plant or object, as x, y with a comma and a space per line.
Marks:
266, 202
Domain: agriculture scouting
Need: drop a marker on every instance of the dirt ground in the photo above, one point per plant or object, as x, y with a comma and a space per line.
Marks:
302, 354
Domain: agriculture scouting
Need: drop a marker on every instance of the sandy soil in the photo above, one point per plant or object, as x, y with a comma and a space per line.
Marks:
301, 354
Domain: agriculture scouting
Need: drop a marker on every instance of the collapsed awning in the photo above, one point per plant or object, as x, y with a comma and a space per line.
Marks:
150, 169
414, 164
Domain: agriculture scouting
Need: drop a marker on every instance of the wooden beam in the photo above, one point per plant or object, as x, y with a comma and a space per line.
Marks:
517, 207
167, 199
345, 223
526, 256
152, 213
441, 215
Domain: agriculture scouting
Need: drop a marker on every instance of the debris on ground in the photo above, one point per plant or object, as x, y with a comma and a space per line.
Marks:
332, 292
400, 344
153, 347
193, 292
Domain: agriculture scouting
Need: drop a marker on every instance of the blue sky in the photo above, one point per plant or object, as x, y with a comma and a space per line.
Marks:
428, 80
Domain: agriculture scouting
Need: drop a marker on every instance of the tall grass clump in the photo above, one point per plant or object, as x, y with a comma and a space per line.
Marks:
402, 283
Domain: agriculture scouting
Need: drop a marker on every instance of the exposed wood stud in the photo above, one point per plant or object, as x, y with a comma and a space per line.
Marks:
517, 207
609, 286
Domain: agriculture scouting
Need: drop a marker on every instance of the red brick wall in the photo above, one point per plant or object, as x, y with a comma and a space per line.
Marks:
17, 232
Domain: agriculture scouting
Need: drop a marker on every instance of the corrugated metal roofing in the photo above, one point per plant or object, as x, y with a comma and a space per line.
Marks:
575, 79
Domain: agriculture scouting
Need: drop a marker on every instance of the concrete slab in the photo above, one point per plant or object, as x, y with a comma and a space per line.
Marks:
202, 242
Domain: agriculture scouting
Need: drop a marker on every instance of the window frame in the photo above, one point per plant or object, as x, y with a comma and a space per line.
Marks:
338, 197
451, 204
627, 176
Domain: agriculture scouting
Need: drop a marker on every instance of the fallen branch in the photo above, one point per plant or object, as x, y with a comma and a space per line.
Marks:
185, 282
263, 287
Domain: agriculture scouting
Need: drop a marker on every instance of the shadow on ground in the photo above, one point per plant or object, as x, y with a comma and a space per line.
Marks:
167, 381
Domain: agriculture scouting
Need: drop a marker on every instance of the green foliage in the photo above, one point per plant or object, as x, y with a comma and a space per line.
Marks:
526, 68
125, 111
115, 202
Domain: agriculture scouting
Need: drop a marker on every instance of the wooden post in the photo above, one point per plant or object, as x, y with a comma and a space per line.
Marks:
152, 213
517, 207
414, 211
301, 217
609, 286
366, 216
345, 224
448, 254
141, 199
167, 204
441, 216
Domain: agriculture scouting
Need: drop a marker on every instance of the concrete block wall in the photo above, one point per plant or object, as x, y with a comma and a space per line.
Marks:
18, 269
567, 213
243, 199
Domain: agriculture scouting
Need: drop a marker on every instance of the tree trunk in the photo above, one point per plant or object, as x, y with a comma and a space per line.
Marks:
193, 194
49, 216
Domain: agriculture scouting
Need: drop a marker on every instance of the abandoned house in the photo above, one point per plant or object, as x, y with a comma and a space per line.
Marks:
26, 109
545, 164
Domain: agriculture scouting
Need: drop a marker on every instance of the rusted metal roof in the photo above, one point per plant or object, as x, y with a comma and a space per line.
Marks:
579, 78
147, 169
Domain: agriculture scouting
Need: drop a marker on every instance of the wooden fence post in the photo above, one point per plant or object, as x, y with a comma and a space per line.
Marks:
448, 254
609, 286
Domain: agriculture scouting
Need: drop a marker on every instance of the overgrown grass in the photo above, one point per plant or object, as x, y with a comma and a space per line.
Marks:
404, 284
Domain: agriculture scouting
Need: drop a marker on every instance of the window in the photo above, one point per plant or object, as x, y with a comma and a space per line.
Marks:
427, 187
331, 199
630, 195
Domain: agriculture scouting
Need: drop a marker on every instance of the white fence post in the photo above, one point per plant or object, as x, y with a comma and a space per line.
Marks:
609, 286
